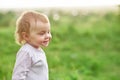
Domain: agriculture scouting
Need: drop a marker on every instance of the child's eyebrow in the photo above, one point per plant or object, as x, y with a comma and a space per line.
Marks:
42, 31
45, 31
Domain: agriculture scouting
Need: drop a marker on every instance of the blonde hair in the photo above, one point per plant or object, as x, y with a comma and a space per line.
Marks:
26, 21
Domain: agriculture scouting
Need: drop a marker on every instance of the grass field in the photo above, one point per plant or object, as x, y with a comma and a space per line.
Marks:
82, 48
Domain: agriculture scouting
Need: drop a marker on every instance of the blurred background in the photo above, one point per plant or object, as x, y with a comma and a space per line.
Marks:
85, 43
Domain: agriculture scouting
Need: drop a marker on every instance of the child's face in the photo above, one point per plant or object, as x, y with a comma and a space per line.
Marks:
41, 36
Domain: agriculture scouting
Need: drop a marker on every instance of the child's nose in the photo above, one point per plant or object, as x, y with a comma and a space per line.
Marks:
48, 35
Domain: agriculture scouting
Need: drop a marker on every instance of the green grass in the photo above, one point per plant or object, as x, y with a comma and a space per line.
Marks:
81, 49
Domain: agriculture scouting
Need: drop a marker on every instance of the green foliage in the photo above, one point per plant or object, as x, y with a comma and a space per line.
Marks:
82, 48
7, 19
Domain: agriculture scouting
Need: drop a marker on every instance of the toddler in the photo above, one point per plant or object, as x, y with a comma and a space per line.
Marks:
32, 33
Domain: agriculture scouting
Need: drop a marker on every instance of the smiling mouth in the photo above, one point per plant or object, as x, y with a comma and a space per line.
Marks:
45, 41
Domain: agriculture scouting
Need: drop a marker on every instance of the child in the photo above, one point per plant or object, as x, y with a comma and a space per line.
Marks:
32, 32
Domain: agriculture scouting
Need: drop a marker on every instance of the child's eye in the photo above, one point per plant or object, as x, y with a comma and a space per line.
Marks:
48, 31
42, 33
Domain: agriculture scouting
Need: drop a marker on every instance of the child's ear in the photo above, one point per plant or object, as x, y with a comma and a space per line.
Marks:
25, 36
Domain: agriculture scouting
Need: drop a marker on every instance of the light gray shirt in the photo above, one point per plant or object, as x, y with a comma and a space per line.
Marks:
31, 64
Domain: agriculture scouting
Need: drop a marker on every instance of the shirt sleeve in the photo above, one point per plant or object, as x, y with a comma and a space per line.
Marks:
22, 66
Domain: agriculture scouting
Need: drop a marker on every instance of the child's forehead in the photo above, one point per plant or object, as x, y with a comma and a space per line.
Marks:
40, 26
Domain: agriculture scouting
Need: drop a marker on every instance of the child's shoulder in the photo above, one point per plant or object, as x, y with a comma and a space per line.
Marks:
25, 50
28, 49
